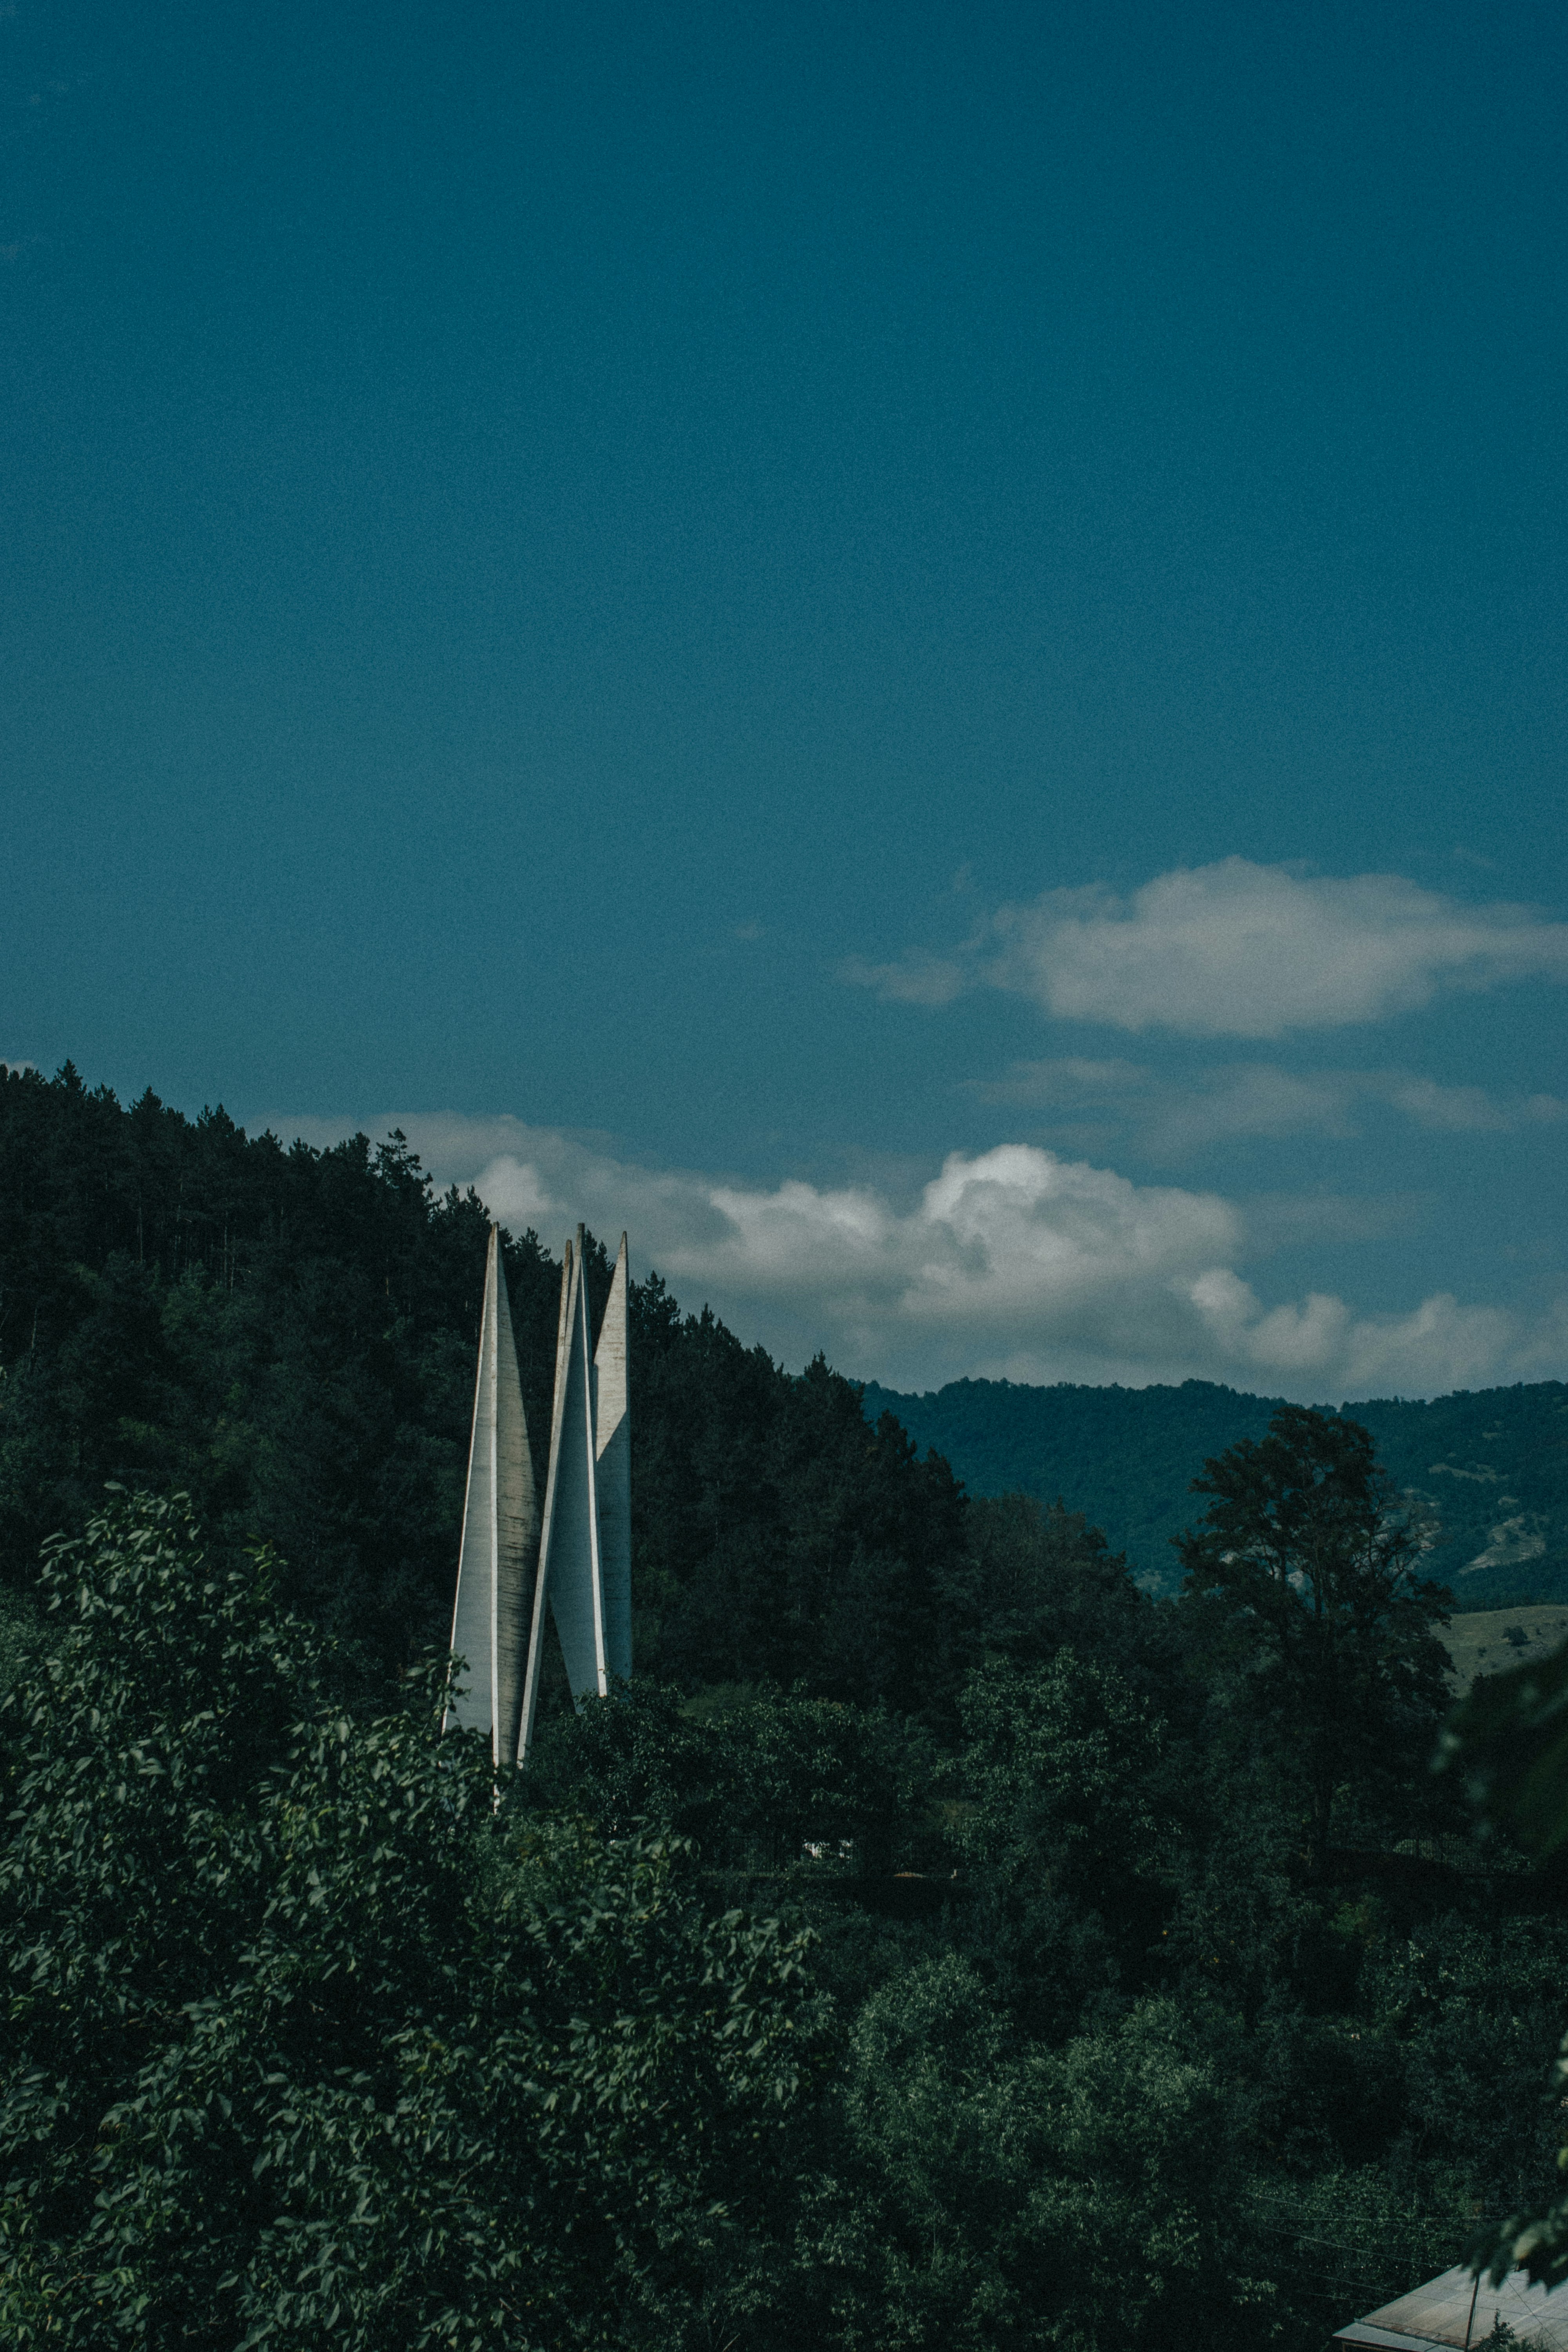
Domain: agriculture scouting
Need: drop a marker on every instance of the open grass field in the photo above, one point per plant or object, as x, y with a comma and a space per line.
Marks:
1492, 1641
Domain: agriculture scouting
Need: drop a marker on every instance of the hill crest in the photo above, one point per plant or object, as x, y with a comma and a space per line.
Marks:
1487, 1469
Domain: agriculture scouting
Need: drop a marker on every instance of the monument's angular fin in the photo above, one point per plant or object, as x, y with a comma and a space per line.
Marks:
536, 1628
500, 1533
569, 1576
613, 1448
576, 1586
585, 1543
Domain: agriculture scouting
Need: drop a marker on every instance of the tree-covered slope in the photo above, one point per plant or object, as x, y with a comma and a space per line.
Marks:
288, 1335
1153, 1993
1491, 1467
1486, 1470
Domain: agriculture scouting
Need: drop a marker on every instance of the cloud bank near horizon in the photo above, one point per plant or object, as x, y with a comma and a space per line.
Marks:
1177, 1117
1014, 1263
1235, 949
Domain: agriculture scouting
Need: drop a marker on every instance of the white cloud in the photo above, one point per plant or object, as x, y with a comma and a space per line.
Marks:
1175, 1118
915, 978
1065, 1081
1236, 949
1012, 1263
1464, 1108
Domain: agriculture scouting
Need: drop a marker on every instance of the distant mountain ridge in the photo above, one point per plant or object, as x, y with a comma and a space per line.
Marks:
1488, 1468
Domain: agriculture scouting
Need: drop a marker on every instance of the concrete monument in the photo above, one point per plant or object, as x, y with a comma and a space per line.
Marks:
582, 1541
585, 1550
501, 1534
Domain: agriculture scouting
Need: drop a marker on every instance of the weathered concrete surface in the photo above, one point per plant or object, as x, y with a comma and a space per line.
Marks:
585, 1542
612, 1441
571, 1552
500, 1533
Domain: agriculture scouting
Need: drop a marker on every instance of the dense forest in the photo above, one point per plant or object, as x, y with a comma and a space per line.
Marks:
1485, 1470
943, 1942
287, 1337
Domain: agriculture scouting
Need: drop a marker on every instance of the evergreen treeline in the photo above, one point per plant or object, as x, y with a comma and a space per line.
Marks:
1487, 1469
943, 1943
288, 1335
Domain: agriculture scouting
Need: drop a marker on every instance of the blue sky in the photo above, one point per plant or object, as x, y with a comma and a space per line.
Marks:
918, 652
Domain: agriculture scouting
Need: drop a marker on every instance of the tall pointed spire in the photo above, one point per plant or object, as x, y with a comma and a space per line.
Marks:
500, 1533
585, 1550
572, 1504
613, 1476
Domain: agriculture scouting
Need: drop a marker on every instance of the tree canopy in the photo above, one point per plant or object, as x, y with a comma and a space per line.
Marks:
1305, 1544
307, 2040
941, 1942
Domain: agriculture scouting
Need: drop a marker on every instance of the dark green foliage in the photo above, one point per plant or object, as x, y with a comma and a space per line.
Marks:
1031, 1581
307, 2042
941, 1942
1487, 1471
1509, 1742
288, 1335
1076, 2197
1470, 2007
775, 1534
755, 1782
19, 1634
1315, 1572
1123, 1456
1066, 1831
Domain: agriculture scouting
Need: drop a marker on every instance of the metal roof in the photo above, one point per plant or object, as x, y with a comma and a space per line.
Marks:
1453, 2311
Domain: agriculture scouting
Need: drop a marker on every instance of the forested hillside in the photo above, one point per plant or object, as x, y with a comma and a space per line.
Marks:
943, 1943
288, 1335
1486, 1471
